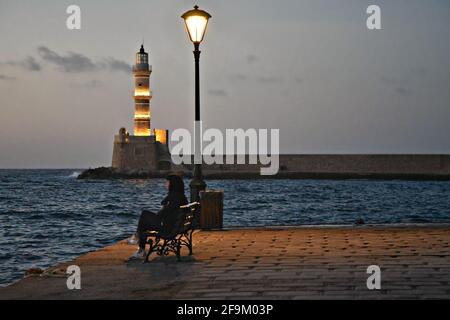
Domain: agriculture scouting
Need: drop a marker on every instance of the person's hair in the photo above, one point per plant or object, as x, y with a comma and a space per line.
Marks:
176, 184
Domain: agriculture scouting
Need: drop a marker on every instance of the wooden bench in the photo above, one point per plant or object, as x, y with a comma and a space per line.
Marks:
164, 243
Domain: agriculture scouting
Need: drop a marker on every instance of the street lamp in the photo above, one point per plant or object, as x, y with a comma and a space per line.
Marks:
196, 22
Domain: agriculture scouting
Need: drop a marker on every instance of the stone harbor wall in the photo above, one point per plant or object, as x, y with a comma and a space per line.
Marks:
138, 159
385, 164
346, 166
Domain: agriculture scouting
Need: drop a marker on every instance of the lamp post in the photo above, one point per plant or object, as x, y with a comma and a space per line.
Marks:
196, 21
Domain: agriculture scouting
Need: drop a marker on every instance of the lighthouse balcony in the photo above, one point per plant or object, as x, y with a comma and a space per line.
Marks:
143, 68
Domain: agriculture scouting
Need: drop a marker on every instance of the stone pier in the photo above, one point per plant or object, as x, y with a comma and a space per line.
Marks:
270, 263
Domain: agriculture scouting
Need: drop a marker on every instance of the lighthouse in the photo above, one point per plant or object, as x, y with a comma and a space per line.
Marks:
142, 94
147, 150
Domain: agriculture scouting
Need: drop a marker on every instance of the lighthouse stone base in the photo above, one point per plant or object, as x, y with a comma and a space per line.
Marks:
134, 154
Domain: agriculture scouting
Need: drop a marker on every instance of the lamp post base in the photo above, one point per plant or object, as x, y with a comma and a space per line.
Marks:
196, 186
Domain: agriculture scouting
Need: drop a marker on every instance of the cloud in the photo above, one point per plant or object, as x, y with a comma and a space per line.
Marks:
217, 92
77, 63
419, 71
299, 80
92, 84
389, 80
403, 91
260, 79
72, 63
29, 64
251, 58
116, 65
268, 79
238, 76
397, 84
6, 78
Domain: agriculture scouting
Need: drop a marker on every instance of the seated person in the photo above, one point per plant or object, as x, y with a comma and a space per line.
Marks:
165, 218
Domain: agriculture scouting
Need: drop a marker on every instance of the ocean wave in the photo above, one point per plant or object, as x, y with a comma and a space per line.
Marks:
74, 174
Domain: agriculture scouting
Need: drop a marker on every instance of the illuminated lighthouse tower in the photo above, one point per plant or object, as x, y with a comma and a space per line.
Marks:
142, 94
147, 150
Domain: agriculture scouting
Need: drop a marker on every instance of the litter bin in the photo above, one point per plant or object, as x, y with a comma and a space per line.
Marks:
211, 212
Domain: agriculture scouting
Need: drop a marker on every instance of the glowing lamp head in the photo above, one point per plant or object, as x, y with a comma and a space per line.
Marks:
196, 22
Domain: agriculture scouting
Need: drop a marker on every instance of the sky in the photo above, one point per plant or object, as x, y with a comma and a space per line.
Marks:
309, 68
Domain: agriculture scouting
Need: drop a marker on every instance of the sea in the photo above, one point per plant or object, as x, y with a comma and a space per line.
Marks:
48, 216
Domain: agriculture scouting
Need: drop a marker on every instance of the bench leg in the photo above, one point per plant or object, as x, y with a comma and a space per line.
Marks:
178, 250
190, 244
163, 250
150, 250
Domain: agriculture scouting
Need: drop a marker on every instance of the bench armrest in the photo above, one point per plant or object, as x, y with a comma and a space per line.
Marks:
190, 205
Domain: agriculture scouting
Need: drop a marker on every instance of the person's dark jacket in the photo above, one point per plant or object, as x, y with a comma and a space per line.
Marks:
170, 210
